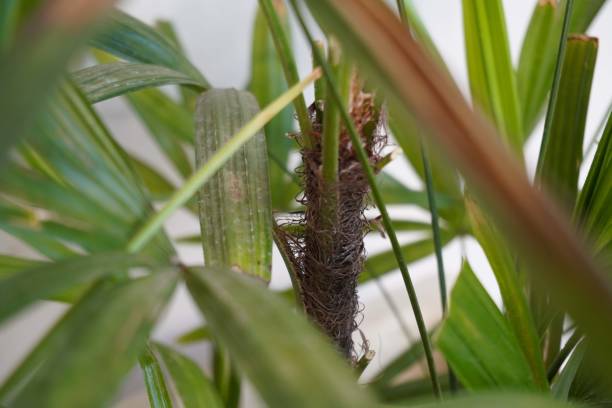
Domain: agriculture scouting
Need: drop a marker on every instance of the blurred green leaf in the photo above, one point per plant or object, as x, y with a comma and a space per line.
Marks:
395, 192
201, 333
498, 400
379, 264
167, 29
445, 179
158, 186
409, 392
267, 83
194, 389
39, 282
226, 376
590, 385
163, 115
562, 152
90, 194
93, 346
594, 206
167, 124
539, 52
397, 366
561, 386
9, 19
288, 362
105, 81
478, 343
492, 78
129, 38
11, 264
154, 380
32, 64
235, 208
505, 268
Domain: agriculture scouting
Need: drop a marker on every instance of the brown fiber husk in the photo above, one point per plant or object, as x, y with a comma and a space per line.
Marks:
327, 248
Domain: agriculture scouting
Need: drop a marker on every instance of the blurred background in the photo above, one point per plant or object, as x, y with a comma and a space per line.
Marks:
217, 38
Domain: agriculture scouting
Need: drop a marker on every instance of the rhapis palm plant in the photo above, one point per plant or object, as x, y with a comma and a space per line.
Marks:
85, 205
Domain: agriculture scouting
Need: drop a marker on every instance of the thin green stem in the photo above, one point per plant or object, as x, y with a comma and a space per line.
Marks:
365, 163
281, 42
319, 83
331, 126
433, 208
204, 173
331, 117
330, 142
435, 227
552, 102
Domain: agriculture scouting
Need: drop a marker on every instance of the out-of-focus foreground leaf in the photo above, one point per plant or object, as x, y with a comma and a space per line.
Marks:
22, 288
412, 83
285, 358
129, 38
478, 343
75, 171
194, 389
93, 346
498, 400
157, 390
170, 125
33, 62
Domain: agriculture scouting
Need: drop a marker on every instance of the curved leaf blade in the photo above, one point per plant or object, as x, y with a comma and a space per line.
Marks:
154, 380
284, 357
505, 268
129, 38
22, 288
193, 387
94, 345
474, 337
104, 81
562, 152
32, 65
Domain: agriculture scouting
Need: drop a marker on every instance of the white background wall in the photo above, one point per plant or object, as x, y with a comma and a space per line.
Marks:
216, 34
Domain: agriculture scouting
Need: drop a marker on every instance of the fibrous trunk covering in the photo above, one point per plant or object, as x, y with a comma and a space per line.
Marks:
327, 249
